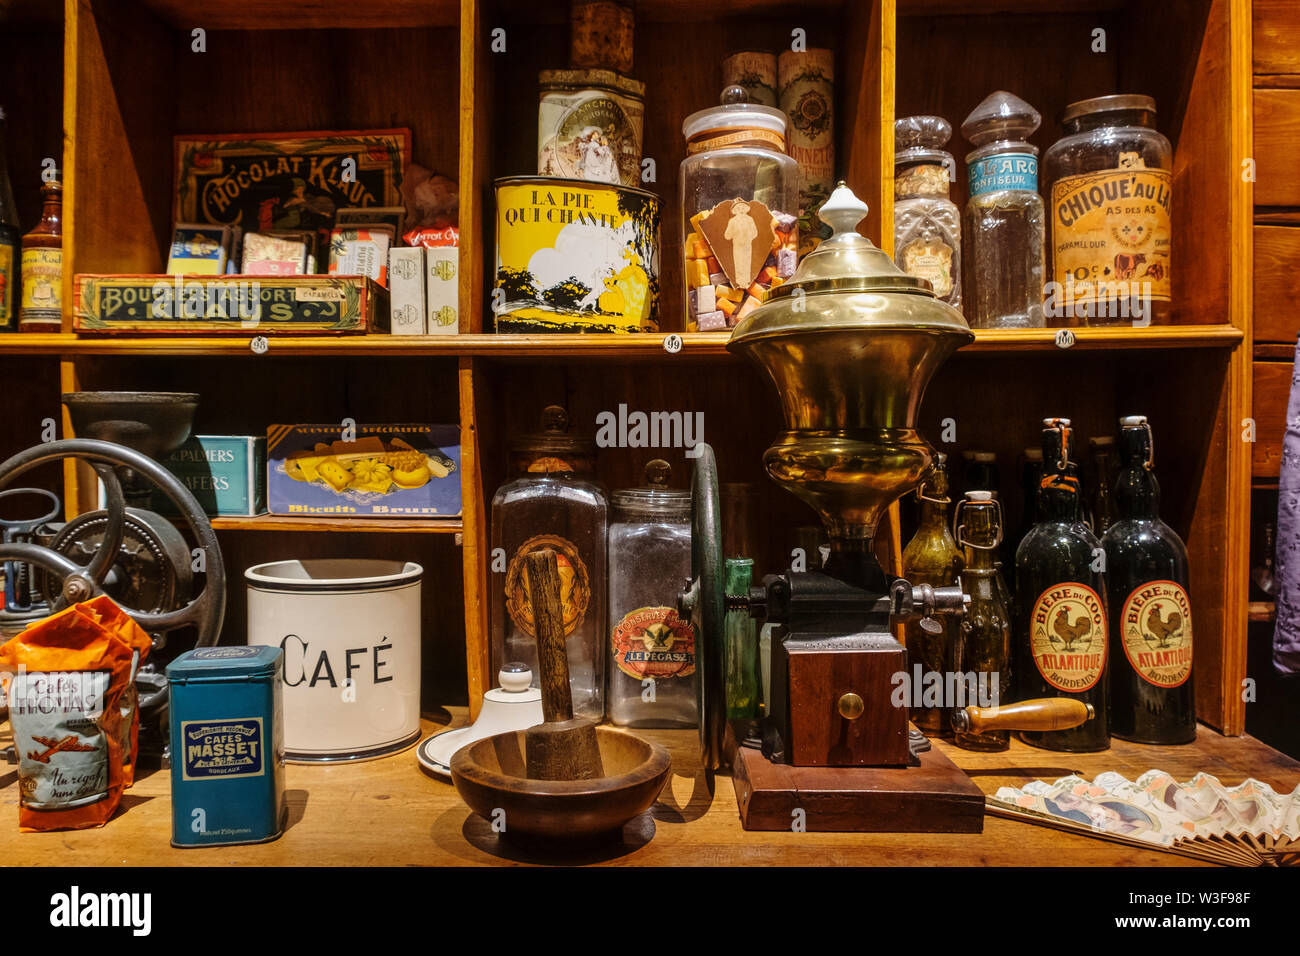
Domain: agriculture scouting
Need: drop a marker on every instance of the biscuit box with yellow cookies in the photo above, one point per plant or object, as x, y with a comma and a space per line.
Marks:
376, 471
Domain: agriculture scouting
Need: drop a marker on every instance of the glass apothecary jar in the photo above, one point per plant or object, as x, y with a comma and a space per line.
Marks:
1002, 228
552, 501
740, 200
927, 225
652, 650
1108, 183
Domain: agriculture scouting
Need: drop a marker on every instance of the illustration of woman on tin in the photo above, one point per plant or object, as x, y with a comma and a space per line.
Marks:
596, 160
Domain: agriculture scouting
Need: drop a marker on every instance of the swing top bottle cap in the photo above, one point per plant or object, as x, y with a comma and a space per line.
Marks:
1133, 421
979, 496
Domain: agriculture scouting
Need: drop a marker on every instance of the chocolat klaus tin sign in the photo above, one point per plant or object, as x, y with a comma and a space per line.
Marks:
273, 181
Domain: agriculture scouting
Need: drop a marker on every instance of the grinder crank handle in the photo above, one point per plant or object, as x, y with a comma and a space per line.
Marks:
1044, 713
910, 601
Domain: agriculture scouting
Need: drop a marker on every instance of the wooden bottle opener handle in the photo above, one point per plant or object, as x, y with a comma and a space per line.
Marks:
1045, 713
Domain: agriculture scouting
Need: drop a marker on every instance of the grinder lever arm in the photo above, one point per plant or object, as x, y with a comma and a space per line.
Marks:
1044, 713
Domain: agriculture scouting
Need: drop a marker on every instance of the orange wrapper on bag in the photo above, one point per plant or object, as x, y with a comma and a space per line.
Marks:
74, 734
124, 626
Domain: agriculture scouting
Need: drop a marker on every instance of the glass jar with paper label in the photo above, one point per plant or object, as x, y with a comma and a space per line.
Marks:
552, 502
1108, 186
652, 649
740, 204
1003, 224
927, 225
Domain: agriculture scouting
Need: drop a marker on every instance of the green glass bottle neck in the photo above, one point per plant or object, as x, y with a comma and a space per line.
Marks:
1058, 496
1137, 493
934, 516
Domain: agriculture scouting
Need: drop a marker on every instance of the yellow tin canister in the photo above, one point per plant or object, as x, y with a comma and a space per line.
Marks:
575, 256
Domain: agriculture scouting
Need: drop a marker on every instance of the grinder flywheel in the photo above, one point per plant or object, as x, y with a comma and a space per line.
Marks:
131, 554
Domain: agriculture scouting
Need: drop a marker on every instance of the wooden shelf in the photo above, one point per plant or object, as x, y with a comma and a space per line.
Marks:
389, 812
611, 345
351, 525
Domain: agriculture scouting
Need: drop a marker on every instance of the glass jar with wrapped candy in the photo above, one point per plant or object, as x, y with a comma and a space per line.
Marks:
740, 196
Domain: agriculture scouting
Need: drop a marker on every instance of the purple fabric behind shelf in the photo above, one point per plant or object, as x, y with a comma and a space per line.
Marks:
1286, 631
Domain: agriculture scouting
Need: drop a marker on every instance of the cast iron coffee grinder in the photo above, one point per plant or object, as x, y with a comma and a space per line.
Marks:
124, 549
850, 342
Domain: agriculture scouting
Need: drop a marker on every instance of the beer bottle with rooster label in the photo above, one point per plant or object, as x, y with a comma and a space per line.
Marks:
1152, 696
1061, 620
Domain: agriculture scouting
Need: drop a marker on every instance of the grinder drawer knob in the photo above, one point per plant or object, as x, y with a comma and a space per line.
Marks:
851, 706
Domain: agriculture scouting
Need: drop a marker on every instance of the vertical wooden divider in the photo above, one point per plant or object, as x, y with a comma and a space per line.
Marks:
475, 97
1240, 314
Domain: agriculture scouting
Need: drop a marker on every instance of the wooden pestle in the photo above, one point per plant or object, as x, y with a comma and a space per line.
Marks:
564, 747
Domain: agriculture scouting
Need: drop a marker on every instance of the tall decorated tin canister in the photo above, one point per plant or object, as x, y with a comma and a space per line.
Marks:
350, 632
227, 746
575, 256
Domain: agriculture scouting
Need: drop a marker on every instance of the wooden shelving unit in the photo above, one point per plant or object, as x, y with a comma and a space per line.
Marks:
706, 344
131, 81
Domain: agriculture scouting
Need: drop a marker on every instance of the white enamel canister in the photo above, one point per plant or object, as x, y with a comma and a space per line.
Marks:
350, 632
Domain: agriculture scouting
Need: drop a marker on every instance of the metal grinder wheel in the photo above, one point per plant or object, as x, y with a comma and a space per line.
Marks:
100, 537
707, 604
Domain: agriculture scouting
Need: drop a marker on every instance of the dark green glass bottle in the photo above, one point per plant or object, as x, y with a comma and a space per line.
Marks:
1101, 483
1152, 696
1061, 621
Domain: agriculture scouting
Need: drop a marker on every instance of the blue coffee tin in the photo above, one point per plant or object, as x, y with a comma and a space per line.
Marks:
227, 746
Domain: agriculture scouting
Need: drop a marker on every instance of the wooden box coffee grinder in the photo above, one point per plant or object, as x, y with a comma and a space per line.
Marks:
850, 342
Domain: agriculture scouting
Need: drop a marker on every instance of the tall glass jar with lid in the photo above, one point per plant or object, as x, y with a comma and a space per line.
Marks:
552, 501
927, 225
1108, 183
652, 662
1003, 224
740, 201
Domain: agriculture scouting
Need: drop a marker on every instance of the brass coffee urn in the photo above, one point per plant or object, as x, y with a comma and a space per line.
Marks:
850, 342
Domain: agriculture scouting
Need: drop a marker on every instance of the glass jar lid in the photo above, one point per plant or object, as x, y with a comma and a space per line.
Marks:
1000, 116
920, 139
735, 122
1118, 102
552, 437
654, 496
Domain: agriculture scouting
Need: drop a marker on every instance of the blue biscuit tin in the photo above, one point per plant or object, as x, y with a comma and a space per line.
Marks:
227, 746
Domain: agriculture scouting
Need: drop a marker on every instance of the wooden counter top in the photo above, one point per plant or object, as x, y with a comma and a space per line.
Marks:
389, 812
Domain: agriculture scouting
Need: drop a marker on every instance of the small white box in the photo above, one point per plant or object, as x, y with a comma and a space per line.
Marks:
406, 290
442, 265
